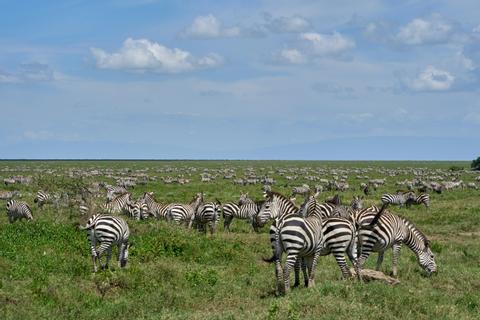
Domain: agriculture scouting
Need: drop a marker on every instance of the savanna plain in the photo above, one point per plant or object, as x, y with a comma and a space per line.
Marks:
176, 273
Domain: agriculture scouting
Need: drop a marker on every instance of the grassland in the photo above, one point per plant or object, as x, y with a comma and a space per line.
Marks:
173, 273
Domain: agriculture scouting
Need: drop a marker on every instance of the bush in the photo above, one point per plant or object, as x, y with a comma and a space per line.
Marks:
456, 168
476, 164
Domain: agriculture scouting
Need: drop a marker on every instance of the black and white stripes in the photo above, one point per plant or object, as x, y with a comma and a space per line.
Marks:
398, 198
392, 231
17, 210
107, 231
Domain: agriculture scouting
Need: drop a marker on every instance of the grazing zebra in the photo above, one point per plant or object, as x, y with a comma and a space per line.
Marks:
18, 210
422, 198
208, 214
43, 198
392, 231
107, 231
398, 198
179, 212
246, 210
158, 210
303, 190
300, 238
118, 204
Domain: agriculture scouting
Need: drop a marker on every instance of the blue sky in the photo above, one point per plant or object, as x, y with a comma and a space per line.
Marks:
279, 79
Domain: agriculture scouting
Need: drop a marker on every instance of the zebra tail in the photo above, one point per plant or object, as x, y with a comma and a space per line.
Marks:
269, 260
378, 215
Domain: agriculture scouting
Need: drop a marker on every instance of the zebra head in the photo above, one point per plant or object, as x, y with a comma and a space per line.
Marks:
426, 259
275, 206
264, 214
357, 203
243, 198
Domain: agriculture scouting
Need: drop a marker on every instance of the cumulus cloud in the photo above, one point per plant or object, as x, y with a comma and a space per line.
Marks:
328, 44
209, 26
432, 79
293, 56
431, 30
143, 55
286, 24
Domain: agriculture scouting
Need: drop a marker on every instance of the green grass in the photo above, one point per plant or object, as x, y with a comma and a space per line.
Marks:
173, 273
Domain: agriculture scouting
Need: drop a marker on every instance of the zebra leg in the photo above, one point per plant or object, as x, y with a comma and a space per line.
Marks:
356, 265
93, 246
226, 223
342, 263
313, 266
291, 259
297, 273
190, 223
379, 260
396, 254
305, 272
109, 256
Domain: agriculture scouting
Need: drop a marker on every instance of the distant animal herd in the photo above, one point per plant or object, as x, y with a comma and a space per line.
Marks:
301, 232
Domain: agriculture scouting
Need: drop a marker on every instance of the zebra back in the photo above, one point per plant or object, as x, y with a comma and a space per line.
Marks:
18, 210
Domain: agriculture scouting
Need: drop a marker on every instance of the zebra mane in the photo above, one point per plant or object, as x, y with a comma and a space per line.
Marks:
416, 231
271, 194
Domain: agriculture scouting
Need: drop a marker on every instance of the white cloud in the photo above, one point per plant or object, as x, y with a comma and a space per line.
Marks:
432, 79
209, 27
143, 55
292, 56
431, 30
8, 78
286, 24
325, 44
36, 72
31, 72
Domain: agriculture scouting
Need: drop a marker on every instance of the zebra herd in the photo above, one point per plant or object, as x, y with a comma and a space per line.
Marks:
304, 233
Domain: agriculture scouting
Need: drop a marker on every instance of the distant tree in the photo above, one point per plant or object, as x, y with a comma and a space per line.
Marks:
476, 164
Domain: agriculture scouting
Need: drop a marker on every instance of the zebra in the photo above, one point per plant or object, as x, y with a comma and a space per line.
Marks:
118, 204
114, 191
339, 237
357, 203
247, 209
208, 214
422, 198
108, 231
43, 198
179, 212
299, 237
158, 210
392, 231
303, 190
398, 198
18, 210
137, 210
